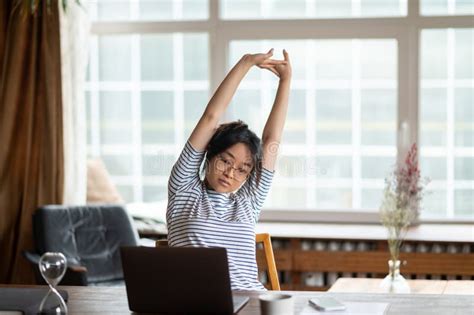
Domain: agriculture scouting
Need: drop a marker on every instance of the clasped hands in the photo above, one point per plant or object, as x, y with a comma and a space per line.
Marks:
281, 68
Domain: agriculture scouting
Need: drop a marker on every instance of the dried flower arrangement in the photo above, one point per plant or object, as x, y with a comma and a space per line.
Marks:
401, 202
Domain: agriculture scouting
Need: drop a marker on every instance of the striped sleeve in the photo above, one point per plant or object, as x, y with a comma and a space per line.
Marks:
256, 190
186, 168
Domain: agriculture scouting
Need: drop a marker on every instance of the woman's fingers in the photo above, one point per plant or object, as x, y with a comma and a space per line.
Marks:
285, 55
270, 68
263, 66
265, 59
274, 71
262, 57
274, 62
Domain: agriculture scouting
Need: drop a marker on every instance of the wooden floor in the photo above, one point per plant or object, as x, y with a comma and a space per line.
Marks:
362, 285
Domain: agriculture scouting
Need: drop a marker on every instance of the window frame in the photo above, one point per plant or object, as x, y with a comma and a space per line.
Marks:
406, 30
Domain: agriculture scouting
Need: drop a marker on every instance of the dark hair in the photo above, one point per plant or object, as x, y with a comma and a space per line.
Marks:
232, 133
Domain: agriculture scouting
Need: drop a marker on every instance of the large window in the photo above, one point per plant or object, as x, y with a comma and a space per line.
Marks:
362, 70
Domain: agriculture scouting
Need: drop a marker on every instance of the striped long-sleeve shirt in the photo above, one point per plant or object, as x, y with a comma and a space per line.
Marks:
201, 217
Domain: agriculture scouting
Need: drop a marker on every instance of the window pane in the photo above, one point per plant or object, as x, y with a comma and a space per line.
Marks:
447, 7
333, 60
433, 116
113, 51
434, 7
334, 167
447, 120
115, 118
301, 9
371, 198
292, 167
434, 167
434, 203
376, 167
286, 197
112, 9
464, 203
464, 168
284, 8
195, 56
153, 193
154, 10
156, 56
126, 191
194, 104
295, 126
333, 9
434, 54
379, 114
464, 117
195, 9
463, 53
159, 164
118, 165
244, 106
157, 117
383, 7
333, 117
378, 59
331, 198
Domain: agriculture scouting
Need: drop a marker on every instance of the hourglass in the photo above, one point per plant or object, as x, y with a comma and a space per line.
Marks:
52, 267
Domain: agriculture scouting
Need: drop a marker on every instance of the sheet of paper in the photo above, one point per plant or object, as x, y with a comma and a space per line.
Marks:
362, 308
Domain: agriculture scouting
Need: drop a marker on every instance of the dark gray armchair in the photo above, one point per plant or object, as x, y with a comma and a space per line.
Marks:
89, 236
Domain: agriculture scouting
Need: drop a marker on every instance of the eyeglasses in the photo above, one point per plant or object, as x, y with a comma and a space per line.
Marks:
223, 164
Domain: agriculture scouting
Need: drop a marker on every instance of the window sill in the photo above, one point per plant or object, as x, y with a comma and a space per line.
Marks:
463, 233
358, 216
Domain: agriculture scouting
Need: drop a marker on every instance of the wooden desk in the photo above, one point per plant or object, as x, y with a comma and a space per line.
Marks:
103, 300
363, 285
459, 287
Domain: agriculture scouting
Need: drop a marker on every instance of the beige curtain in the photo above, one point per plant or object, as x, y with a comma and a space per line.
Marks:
74, 32
31, 128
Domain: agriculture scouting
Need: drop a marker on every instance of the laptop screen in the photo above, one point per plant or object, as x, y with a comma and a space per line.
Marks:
177, 279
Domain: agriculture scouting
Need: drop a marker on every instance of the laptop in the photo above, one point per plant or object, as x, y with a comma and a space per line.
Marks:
179, 280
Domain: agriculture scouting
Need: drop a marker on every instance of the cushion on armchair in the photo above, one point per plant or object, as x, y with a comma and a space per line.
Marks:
100, 187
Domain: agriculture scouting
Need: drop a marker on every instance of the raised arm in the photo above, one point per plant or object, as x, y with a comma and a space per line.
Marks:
216, 107
272, 132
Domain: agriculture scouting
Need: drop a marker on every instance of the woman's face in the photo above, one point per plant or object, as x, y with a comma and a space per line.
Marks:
228, 170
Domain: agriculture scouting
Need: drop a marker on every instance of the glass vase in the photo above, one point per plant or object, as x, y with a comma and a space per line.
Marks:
394, 282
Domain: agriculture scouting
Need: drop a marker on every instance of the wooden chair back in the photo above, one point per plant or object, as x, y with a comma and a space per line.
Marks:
272, 273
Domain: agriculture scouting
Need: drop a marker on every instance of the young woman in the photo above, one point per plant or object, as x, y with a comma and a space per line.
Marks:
222, 209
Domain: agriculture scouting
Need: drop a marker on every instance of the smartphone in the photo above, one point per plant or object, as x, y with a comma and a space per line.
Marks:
326, 303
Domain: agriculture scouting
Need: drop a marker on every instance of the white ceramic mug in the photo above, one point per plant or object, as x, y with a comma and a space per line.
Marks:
276, 304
